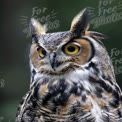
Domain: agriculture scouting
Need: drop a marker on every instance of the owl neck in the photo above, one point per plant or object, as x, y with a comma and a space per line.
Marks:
89, 80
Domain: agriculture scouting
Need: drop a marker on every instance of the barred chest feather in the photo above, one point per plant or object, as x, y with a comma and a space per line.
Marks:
79, 96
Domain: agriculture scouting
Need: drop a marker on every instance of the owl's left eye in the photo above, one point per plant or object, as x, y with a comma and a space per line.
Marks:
71, 49
41, 52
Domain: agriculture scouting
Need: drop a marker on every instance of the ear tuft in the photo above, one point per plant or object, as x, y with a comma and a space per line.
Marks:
96, 35
80, 22
36, 27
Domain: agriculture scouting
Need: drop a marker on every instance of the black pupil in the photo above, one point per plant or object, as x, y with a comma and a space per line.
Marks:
43, 52
71, 48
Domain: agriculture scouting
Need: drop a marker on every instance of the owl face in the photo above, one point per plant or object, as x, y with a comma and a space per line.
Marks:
57, 54
60, 52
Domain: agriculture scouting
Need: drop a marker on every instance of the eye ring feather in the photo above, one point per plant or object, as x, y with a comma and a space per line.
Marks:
71, 49
41, 52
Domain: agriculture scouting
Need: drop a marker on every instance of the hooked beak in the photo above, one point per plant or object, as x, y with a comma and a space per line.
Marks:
53, 60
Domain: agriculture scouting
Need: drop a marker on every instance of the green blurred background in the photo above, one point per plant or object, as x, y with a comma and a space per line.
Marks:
15, 41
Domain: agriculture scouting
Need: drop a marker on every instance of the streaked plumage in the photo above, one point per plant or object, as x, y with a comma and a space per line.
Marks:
72, 78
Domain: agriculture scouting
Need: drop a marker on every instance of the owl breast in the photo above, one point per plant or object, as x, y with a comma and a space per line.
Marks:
73, 96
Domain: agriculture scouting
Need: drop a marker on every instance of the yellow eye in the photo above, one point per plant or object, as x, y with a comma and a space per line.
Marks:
41, 52
71, 49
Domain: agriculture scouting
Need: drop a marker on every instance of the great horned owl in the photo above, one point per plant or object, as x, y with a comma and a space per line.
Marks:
72, 78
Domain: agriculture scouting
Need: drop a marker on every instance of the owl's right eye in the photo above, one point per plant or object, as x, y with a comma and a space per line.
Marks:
41, 52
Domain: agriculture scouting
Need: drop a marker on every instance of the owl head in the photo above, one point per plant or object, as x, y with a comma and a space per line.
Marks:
61, 52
